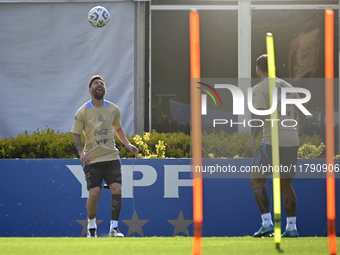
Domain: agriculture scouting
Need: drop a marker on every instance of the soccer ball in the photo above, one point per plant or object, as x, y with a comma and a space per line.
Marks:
98, 16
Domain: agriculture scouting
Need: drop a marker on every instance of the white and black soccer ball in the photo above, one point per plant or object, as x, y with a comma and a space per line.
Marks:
98, 16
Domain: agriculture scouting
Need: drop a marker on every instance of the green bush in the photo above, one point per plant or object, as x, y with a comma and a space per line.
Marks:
50, 144
41, 144
311, 147
309, 150
177, 144
315, 139
224, 145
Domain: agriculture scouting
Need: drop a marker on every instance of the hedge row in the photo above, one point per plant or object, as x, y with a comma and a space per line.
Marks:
48, 143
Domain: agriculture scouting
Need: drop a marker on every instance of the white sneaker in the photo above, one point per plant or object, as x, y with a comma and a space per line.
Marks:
114, 232
92, 232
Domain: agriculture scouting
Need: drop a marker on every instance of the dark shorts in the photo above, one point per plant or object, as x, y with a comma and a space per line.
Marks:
288, 161
109, 171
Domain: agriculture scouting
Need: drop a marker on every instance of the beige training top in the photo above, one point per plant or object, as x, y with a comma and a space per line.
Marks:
288, 136
97, 125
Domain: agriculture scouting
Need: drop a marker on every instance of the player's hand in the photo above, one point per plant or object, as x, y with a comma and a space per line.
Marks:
253, 144
299, 129
84, 158
133, 149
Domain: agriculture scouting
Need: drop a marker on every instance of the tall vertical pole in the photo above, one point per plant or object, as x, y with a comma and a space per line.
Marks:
196, 133
329, 108
275, 143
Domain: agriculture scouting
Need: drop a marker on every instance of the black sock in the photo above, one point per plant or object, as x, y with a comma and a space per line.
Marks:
116, 206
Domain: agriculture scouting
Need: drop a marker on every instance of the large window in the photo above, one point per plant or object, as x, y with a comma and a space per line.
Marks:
170, 66
299, 38
298, 32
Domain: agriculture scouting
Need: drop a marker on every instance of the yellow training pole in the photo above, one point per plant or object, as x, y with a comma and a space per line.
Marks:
275, 143
196, 133
329, 108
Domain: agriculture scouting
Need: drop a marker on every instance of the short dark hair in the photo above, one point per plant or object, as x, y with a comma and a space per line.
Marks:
95, 77
262, 63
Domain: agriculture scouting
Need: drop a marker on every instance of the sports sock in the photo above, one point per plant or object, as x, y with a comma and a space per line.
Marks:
266, 219
291, 223
116, 206
114, 224
91, 223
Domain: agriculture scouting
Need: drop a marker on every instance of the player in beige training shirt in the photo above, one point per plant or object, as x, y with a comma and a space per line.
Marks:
288, 148
97, 119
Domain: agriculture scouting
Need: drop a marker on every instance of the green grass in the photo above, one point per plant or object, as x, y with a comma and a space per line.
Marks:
163, 245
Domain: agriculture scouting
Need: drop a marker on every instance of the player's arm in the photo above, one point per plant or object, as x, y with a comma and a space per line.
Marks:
259, 102
301, 120
256, 132
84, 158
122, 137
77, 129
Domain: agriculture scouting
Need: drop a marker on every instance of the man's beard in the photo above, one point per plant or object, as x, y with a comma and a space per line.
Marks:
98, 96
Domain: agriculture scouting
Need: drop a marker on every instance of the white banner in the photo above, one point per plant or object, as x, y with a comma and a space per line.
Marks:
48, 54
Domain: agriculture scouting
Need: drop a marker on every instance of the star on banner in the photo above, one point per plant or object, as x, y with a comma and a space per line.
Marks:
181, 224
135, 224
84, 224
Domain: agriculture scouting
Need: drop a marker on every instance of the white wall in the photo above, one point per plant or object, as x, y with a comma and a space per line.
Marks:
49, 52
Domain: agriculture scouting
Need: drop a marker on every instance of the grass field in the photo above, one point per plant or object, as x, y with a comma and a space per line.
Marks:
162, 245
